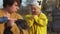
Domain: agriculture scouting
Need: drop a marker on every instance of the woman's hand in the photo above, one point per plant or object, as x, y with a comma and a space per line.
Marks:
10, 21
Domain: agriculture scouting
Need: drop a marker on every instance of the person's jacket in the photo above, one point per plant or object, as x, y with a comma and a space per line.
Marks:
14, 29
38, 24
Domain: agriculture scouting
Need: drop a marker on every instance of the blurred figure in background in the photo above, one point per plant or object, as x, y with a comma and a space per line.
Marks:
37, 20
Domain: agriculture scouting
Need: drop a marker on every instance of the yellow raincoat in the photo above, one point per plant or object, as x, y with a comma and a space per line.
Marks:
14, 29
40, 24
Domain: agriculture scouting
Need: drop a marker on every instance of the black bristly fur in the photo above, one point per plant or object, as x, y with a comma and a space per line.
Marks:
22, 24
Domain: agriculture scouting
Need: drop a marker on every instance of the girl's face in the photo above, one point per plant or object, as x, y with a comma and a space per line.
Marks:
35, 10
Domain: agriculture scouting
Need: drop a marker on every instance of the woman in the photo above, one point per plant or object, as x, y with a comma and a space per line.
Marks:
10, 8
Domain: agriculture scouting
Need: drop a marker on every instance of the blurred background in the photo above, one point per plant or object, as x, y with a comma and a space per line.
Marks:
50, 7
